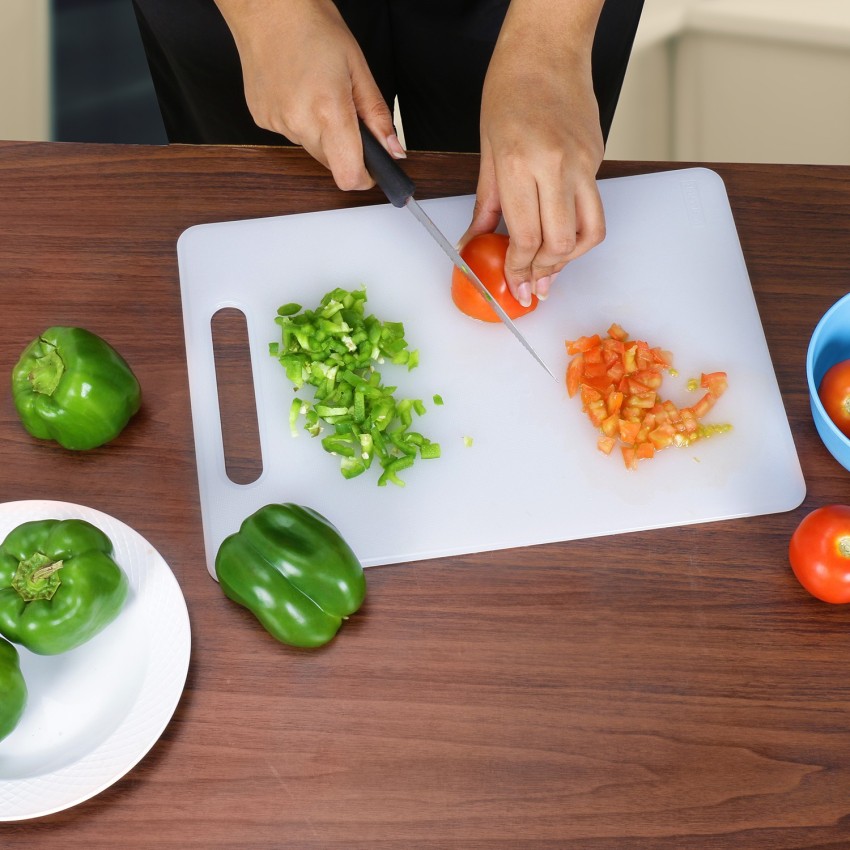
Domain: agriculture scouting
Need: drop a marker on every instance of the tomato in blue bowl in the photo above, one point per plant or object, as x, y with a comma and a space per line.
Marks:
829, 347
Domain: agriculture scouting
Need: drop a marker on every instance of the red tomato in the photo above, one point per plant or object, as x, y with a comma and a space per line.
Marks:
820, 553
485, 255
834, 392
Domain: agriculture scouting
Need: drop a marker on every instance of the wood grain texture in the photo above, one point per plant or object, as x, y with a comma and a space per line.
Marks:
664, 690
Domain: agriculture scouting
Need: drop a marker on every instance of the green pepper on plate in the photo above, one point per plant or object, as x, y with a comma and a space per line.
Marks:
59, 584
13, 689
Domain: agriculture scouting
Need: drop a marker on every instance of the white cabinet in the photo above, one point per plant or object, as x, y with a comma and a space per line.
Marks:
739, 81
25, 69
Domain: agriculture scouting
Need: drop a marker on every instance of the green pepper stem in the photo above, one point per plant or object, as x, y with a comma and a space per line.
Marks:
37, 577
47, 372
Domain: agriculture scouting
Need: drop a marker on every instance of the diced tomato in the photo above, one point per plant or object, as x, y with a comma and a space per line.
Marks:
704, 405
643, 356
593, 404
689, 421
611, 425
616, 372
589, 395
606, 444
629, 431
630, 457
715, 382
594, 354
602, 383
613, 347
650, 378
616, 332
672, 412
662, 436
619, 379
644, 400
574, 372
662, 358
583, 343
645, 451
636, 387
615, 402
594, 369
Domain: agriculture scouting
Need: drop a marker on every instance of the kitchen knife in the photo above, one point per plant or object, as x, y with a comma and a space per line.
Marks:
399, 189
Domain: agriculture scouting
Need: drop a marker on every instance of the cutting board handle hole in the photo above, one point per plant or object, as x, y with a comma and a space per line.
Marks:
240, 433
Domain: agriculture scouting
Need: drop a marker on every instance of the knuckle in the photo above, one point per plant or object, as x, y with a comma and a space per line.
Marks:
325, 111
261, 117
596, 233
376, 111
546, 269
560, 246
524, 245
349, 179
517, 270
512, 163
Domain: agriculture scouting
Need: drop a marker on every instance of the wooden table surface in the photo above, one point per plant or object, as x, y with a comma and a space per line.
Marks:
666, 689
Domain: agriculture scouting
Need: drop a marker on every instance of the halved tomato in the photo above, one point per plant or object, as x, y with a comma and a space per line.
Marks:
485, 255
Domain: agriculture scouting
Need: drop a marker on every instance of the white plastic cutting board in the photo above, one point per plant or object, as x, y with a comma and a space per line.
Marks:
670, 271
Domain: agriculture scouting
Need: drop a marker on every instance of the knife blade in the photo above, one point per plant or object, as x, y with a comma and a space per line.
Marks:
400, 190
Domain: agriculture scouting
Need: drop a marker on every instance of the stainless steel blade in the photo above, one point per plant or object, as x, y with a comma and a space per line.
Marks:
456, 258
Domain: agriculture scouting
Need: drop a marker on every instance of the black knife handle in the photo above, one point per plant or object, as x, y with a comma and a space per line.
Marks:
385, 171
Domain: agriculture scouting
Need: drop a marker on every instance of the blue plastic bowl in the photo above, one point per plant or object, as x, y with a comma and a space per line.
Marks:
830, 344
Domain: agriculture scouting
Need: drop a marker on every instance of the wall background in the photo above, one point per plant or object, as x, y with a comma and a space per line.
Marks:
738, 81
24, 68
709, 80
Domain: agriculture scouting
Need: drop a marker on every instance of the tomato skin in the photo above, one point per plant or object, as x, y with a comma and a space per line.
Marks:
834, 392
820, 553
485, 255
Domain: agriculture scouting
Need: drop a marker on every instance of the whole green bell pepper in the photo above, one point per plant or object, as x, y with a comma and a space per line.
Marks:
13, 688
293, 570
71, 386
59, 585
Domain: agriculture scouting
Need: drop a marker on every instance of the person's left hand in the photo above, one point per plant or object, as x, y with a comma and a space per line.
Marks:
541, 147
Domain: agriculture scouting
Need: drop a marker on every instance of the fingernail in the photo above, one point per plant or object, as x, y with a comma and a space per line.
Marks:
523, 294
542, 286
395, 148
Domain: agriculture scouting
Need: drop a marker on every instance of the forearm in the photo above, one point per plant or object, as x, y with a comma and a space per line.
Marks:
306, 78
249, 19
240, 14
561, 30
541, 142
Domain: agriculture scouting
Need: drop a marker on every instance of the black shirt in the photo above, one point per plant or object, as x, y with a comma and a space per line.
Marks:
431, 54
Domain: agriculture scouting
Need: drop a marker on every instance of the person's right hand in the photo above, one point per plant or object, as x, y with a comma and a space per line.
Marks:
307, 79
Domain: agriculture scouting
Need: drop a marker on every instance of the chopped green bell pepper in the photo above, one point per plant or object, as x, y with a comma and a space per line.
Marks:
334, 349
71, 386
59, 585
293, 570
13, 689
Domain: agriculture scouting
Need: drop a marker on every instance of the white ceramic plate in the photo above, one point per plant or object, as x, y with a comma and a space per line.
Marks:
94, 712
